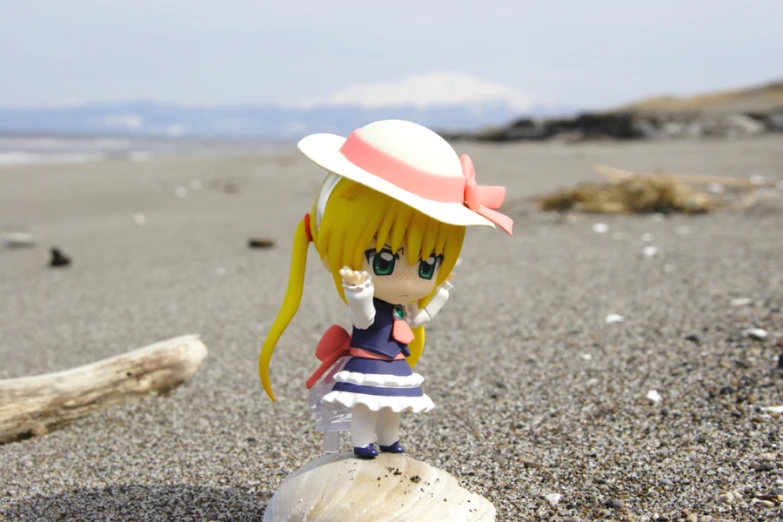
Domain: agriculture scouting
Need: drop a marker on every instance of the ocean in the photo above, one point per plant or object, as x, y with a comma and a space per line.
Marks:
28, 150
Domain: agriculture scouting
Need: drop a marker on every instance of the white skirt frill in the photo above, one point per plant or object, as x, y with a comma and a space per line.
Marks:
349, 399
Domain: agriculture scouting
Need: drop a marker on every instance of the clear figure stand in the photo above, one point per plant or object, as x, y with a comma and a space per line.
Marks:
329, 420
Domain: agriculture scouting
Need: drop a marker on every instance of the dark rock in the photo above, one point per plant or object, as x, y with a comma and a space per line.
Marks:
695, 339
257, 242
58, 259
774, 120
766, 466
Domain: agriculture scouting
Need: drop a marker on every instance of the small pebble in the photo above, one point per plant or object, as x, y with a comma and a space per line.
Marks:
600, 228
757, 179
586, 356
181, 192
766, 466
715, 188
695, 339
614, 318
665, 482
650, 251
776, 491
139, 219
773, 409
614, 503
767, 456
654, 396
741, 301
553, 498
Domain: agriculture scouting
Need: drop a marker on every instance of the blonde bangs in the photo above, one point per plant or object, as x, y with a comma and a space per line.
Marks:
355, 214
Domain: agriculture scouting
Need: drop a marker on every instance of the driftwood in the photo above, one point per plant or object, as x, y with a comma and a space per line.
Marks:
36, 405
627, 192
616, 174
635, 194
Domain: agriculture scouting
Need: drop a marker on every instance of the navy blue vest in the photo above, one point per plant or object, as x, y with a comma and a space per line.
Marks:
378, 337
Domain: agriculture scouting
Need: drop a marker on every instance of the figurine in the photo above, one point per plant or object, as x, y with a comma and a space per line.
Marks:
388, 223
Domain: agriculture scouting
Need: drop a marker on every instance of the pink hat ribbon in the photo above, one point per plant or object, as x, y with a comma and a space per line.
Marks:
444, 189
483, 199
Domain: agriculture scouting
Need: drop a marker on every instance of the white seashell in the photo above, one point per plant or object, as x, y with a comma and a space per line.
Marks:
16, 239
614, 318
338, 488
600, 228
683, 230
756, 333
553, 498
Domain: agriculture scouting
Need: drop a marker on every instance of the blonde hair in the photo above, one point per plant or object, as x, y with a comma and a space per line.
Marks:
353, 216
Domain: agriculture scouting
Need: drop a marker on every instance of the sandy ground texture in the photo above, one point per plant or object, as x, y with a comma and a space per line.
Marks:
542, 406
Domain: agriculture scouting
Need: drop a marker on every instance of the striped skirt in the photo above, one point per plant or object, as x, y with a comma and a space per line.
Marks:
378, 384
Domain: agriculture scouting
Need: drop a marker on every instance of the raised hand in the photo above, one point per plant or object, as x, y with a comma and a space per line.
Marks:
353, 277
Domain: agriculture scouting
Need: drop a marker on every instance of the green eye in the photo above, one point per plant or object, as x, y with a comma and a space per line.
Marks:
382, 262
428, 266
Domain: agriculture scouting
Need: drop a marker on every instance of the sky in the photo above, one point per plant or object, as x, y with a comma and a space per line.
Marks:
589, 54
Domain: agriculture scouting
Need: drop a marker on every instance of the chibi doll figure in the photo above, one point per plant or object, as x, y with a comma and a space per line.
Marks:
388, 223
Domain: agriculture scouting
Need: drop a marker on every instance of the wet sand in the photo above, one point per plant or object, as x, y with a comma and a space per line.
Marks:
535, 393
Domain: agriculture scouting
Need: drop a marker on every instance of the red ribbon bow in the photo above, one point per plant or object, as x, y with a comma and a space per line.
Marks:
483, 199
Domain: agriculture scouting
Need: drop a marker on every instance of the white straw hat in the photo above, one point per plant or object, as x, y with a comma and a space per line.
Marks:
413, 165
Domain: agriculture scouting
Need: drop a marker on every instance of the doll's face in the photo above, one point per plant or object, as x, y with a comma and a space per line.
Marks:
396, 281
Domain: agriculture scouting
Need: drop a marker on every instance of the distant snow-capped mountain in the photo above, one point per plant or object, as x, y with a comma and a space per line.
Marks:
442, 100
432, 89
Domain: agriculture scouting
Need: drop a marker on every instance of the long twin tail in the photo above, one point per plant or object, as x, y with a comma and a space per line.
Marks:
293, 296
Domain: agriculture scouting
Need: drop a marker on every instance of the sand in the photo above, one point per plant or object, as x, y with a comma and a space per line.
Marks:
536, 395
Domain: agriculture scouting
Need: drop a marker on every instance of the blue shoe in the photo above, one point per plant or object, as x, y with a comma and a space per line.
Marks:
394, 448
367, 452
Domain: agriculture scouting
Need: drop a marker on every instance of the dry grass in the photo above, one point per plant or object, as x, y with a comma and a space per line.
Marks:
749, 99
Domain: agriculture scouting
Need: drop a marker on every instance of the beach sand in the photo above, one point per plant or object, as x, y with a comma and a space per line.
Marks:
535, 393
